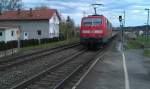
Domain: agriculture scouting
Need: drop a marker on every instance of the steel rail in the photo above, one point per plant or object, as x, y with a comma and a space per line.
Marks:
62, 83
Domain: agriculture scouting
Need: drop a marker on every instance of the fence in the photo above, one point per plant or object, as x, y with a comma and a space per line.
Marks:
25, 43
8, 52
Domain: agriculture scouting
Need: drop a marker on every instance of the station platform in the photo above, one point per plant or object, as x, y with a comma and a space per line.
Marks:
108, 72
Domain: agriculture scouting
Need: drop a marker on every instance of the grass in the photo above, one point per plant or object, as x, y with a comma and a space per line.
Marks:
137, 43
147, 53
53, 44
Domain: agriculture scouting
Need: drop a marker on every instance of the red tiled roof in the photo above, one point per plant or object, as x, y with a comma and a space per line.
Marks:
9, 26
25, 14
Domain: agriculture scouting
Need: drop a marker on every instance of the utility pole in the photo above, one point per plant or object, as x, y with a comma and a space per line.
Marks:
124, 39
147, 27
124, 17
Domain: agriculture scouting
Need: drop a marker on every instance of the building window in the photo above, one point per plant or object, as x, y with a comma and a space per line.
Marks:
1, 33
25, 34
12, 33
39, 32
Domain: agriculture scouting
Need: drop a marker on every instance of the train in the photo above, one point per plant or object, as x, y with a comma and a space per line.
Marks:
95, 30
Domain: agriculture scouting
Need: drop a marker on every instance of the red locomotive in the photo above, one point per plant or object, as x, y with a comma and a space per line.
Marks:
95, 30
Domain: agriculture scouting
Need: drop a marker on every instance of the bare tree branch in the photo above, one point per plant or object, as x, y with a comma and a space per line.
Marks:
10, 4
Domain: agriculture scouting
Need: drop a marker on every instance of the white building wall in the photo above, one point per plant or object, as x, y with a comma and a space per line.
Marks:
54, 26
8, 34
31, 27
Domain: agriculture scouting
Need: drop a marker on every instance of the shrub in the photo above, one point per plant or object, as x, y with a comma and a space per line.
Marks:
25, 43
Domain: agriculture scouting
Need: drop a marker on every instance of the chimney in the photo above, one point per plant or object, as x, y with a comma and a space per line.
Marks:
30, 11
19, 10
1, 12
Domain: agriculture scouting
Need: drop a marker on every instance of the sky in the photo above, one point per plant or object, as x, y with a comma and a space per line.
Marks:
135, 12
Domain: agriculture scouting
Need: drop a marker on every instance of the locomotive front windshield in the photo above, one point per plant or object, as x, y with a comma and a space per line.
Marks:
92, 21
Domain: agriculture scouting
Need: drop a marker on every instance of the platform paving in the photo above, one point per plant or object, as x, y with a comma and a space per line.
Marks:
138, 69
108, 73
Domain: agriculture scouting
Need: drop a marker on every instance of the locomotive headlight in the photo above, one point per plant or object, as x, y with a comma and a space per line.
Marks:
91, 31
85, 31
98, 31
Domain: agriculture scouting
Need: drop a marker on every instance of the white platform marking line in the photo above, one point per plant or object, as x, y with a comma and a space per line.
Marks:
93, 64
127, 86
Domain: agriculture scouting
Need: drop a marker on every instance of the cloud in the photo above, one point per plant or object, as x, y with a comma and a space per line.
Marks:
135, 13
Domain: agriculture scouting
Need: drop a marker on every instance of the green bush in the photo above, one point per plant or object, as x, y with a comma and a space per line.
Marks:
147, 53
139, 42
26, 43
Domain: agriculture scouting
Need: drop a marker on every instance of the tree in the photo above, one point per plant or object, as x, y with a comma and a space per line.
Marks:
67, 28
63, 29
10, 4
70, 22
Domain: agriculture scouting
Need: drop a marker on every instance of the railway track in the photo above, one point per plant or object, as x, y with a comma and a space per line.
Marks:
5, 64
61, 75
34, 74
58, 70
56, 76
19, 73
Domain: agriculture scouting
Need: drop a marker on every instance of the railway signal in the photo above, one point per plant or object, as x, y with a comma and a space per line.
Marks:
122, 32
120, 18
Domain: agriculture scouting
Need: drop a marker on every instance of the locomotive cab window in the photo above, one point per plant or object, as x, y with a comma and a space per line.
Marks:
97, 21
92, 21
87, 22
